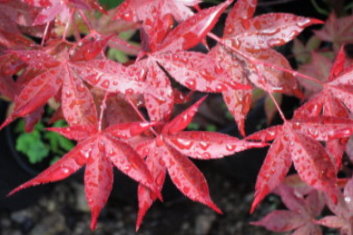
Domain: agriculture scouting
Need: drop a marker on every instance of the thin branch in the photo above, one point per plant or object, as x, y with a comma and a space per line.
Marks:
87, 22
268, 90
277, 106
67, 25
45, 33
140, 114
102, 109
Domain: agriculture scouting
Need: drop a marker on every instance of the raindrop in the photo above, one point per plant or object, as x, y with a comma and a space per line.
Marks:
347, 199
296, 125
275, 42
220, 87
207, 75
81, 87
271, 31
183, 143
204, 145
303, 22
126, 168
231, 147
206, 155
160, 179
127, 16
106, 84
65, 170
68, 93
129, 91
101, 146
87, 153
186, 190
191, 84
218, 69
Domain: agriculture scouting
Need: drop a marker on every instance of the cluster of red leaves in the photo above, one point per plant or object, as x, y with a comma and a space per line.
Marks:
101, 99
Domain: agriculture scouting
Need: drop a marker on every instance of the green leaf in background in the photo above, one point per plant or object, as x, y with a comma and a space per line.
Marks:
58, 144
117, 55
32, 146
211, 127
110, 4
38, 144
194, 126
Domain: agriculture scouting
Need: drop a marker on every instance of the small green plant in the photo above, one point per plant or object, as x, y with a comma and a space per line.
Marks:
40, 144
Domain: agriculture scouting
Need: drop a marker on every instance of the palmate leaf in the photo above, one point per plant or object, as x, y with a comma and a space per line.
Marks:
297, 141
99, 151
342, 211
332, 103
300, 216
49, 76
337, 30
255, 36
146, 77
169, 150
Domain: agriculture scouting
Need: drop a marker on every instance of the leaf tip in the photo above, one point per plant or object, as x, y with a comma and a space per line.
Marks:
139, 222
316, 21
19, 188
94, 217
214, 207
6, 122
259, 195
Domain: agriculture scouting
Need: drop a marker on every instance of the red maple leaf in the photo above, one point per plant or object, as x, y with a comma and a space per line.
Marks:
55, 72
343, 211
330, 101
297, 141
255, 37
300, 216
337, 30
168, 151
150, 79
99, 151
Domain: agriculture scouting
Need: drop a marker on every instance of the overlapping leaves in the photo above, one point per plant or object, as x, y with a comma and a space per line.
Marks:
84, 81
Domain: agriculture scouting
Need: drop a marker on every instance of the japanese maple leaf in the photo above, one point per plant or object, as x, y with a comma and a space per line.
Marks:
300, 216
62, 9
99, 151
297, 141
337, 30
255, 37
58, 72
169, 151
151, 81
330, 101
343, 211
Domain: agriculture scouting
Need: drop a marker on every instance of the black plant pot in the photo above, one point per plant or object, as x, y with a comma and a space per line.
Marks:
15, 170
